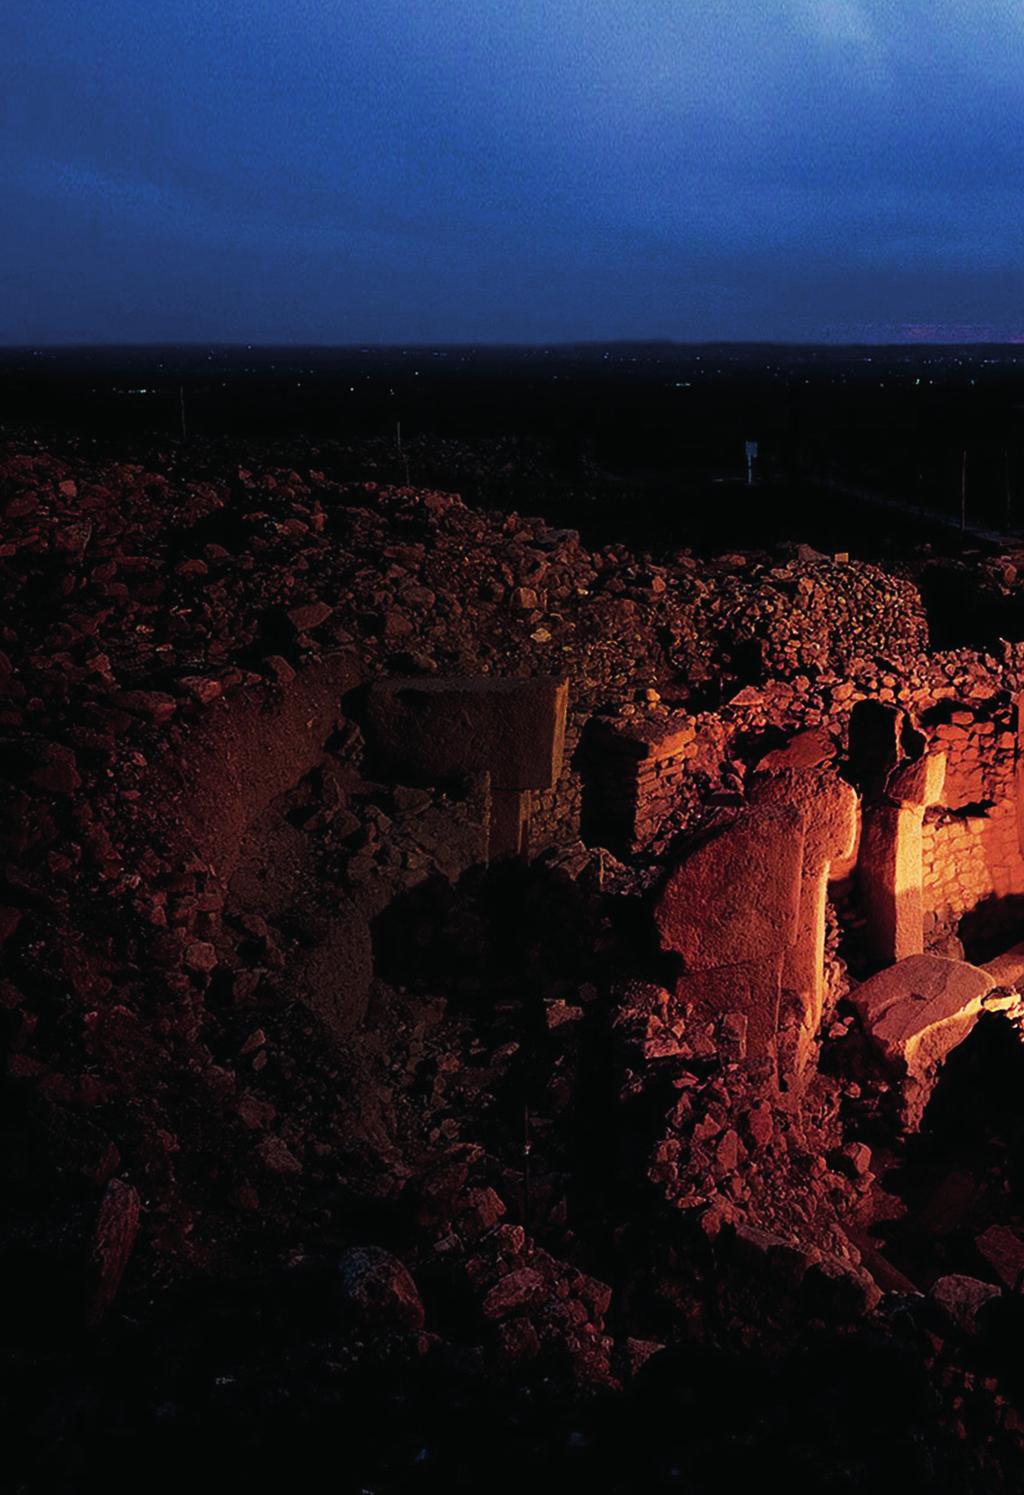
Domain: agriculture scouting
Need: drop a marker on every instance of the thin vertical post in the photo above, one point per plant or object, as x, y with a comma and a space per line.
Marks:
963, 489
527, 1149
181, 411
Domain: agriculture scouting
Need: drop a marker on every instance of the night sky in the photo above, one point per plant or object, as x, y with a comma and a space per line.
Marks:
511, 170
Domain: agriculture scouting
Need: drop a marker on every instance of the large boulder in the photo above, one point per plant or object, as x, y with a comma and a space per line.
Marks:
378, 1291
730, 909
1008, 969
918, 782
916, 1012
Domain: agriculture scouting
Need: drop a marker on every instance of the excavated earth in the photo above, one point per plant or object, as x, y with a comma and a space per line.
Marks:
338, 1148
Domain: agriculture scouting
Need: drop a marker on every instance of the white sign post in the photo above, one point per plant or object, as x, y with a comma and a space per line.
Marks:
751, 451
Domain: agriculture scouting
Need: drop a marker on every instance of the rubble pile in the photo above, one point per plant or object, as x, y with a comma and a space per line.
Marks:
814, 614
371, 870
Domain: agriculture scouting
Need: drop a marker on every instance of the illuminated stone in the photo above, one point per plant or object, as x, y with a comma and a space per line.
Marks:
916, 1012
828, 806
736, 897
731, 909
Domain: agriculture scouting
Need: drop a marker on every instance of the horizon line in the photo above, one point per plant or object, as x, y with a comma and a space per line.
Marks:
367, 345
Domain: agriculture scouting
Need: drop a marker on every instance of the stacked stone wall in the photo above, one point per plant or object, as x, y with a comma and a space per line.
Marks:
660, 780
555, 813
972, 862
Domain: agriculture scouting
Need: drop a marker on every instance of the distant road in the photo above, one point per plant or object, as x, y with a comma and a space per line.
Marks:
908, 510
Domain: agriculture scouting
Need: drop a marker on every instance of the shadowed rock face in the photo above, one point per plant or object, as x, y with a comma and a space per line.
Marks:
428, 730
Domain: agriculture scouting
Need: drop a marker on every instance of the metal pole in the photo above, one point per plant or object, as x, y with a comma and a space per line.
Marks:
527, 1149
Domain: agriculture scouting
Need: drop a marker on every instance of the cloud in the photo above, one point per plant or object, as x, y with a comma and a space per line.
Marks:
843, 22
651, 165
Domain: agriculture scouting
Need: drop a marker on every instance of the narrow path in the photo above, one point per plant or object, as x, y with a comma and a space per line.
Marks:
998, 538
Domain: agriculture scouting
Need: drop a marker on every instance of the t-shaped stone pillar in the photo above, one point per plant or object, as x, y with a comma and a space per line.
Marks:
730, 909
889, 865
828, 806
427, 730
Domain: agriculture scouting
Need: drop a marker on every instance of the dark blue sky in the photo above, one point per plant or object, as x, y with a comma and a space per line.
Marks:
399, 170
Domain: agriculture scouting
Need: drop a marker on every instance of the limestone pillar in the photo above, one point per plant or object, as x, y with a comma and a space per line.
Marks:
889, 866
828, 806
729, 910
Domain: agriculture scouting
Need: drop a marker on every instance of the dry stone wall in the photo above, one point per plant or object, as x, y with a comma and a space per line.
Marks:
973, 864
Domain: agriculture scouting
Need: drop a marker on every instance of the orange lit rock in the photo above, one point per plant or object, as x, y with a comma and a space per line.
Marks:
1008, 969
916, 1012
890, 862
1018, 776
806, 750
918, 782
828, 807
646, 737
731, 909
736, 897
889, 876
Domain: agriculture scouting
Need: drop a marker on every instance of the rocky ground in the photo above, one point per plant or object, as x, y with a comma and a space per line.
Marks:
513, 1213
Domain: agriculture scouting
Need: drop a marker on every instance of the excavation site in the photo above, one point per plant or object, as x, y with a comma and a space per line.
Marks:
484, 1002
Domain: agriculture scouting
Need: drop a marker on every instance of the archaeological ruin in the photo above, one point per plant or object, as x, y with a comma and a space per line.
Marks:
490, 966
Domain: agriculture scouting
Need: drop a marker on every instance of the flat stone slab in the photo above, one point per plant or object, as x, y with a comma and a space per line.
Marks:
644, 737
809, 749
427, 730
919, 1009
1004, 1252
919, 781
